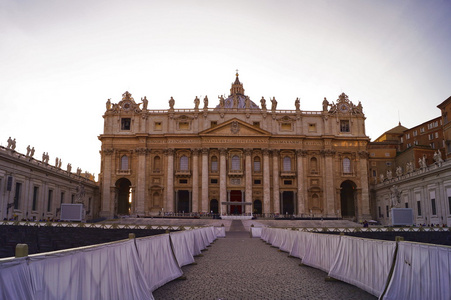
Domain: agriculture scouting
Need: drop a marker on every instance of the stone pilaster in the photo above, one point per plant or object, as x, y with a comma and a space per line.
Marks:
300, 154
169, 205
248, 172
140, 195
205, 179
222, 180
107, 205
364, 205
195, 194
266, 183
329, 195
275, 181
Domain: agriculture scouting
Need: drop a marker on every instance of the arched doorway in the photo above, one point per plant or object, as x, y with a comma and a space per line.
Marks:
123, 196
214, 206
288, 203
257, 207
347, 199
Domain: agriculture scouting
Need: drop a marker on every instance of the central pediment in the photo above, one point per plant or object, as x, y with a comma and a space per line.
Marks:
235, 127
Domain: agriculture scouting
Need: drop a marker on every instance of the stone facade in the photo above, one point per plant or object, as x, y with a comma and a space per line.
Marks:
34, 190
234, 158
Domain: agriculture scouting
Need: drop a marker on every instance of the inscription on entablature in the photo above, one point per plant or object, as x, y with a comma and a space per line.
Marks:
233, 141
311, 143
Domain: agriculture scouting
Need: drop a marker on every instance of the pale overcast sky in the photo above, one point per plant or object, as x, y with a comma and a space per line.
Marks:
61, 60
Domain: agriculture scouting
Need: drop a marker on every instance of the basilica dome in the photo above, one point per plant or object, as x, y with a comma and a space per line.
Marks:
237, 99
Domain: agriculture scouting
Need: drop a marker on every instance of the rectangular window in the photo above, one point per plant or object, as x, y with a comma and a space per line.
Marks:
436, 135
419, 208
35, 198
257, 166
344, 126
17, 195
183, 181
126, 123
407, 136
62, 197
214, 181
256, 124
158, 126
214, 166
49, 200
379, 211
433, 206
312, 127
422, 129
213, 123
285, 126
387, 211
287, 182
448, 194
183, 125
257, 181
415, 133
72, 200
406, 205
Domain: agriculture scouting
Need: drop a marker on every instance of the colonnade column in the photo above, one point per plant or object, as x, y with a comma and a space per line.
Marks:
140, 196
364, 205
205, 179
300, 154
107, 205
266, 183
170, 181
329, 200
275, 180
195, 193
222, 180
248, 171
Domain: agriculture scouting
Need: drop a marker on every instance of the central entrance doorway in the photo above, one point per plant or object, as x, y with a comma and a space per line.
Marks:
183, 203
123, 196
288, 203
347, 199
235, 196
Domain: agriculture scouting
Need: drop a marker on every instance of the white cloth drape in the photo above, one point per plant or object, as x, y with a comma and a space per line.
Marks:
109, 271
180, 243
158, 261
321, 250
299, 244
220, 231
287, 241
15, 281
364, 263
256, 232
421, 272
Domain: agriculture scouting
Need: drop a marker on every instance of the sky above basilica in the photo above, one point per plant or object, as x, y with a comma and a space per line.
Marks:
61, 60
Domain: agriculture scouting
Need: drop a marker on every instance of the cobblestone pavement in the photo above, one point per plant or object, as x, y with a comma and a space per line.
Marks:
240, 267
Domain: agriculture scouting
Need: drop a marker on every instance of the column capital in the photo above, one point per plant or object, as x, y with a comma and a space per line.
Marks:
168, 151
247, 151
195, 151
363, 154
141, 151
328, 152
223, 151
301, 152
205, 150
108, 151
275, 152
266, 151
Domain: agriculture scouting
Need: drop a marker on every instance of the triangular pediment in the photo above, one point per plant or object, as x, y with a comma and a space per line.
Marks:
234, 127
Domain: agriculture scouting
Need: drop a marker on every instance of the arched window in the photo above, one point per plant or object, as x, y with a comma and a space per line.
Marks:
214, 164
286, 164
313, 165
184, 163
257, 164
236, 163
124, 162
346, 165
156, 164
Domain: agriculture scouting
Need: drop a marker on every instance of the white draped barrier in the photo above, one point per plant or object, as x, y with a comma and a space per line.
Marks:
211, 237
265, 233
321, 250
299, 244
364, 263
158, 261
181, 246
279, 236
421, 272
15, 280
288, 239
256, 232
108, 271
220, 231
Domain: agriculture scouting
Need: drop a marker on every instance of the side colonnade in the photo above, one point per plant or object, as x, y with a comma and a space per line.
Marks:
386, 269
128, 269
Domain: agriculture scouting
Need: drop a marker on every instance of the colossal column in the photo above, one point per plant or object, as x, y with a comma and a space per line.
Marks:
195, 194
107, 209
248, 170
205, 179
300, 154
140, 196
275, 180
222, 180
266, 183
364, 205
329, 196
170, 180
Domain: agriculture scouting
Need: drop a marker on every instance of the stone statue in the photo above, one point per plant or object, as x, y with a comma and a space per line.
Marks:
60, 163
297, 104
205, 102
360, 107
196, 103
79, 170
43, 157
381, 177
47, 157
28, 150
56, 162
389, 175
273, 104
398, 171
69, 167
171, 103
32, 152
422, 162
395, 196
325, 104
108, 104
409, 167
247, 102
221, 101
13, 144
145, 103
263, 103
438, 157
10, 142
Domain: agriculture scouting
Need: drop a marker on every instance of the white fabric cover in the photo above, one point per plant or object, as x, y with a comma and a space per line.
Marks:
299, 244
321, 250
108, 271
180, 245
203, 234
279, 236
256, 232
15, 280
192, 242
220, 231
158, 261
287, 242
421, 272
210, 234
364, 263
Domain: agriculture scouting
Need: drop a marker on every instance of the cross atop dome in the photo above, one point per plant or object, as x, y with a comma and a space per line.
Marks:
237, 86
